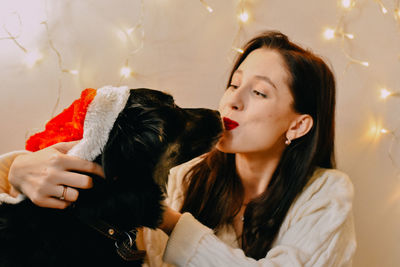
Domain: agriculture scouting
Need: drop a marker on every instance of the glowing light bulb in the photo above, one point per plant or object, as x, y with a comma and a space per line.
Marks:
347, 4
126, 72
384, 10
383, 130
209, 9
376, 131
329, 34
32, 57
74, 72
349, 35
385, 93
364, 63
239, 50
244, 16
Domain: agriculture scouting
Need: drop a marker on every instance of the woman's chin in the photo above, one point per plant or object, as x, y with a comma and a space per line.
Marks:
223, 146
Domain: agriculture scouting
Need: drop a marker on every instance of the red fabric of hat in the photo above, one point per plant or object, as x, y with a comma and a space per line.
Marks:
66, 126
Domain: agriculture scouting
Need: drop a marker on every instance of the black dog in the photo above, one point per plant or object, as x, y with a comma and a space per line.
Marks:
150, 136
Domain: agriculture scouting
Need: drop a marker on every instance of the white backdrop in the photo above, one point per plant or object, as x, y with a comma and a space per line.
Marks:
180, 47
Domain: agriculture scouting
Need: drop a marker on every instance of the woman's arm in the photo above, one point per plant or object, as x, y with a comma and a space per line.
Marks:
42, 175
170, 219
318, 231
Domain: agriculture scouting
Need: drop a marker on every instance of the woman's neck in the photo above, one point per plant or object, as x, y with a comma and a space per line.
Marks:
255, 172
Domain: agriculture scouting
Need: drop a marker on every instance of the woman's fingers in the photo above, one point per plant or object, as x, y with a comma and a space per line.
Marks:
75, 180
66, 193
71, 163
42, 175
53, 203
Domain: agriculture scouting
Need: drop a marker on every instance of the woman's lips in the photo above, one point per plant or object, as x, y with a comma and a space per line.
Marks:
230, 124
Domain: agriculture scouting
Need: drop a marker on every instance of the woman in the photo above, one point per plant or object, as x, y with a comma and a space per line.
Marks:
266, 195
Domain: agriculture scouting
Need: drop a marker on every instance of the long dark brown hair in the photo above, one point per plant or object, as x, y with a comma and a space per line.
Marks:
214, 193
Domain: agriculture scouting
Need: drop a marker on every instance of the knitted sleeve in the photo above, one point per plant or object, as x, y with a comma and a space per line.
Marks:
317, 231
5, 188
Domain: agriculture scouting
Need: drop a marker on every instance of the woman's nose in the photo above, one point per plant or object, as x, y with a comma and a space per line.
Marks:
236, 100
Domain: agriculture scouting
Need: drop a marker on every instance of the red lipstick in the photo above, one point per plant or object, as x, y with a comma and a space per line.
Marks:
230, 124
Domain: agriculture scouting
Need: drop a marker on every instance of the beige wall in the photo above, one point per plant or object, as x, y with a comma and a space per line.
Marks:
187, 51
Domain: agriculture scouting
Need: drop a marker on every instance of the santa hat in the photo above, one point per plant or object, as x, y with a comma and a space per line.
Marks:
89, 119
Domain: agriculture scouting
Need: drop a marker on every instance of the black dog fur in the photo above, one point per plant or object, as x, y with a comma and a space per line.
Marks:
150, 136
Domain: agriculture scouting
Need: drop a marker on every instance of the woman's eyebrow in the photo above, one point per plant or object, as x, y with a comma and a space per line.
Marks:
266, 79
259, 77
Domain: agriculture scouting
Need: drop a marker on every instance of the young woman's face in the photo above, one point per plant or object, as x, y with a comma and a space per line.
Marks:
259, 101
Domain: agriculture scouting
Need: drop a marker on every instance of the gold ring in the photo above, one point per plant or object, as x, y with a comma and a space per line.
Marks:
63, 193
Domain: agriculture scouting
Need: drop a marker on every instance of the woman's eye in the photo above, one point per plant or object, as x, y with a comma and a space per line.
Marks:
233, 86
258, 93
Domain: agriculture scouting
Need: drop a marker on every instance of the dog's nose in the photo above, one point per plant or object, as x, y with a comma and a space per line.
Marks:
209, 117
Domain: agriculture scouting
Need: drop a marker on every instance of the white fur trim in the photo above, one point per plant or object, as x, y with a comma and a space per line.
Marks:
6, 198
99, 120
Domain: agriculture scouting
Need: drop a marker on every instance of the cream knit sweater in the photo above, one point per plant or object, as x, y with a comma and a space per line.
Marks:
317, 231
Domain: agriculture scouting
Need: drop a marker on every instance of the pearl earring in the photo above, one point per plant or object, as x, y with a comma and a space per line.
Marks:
288, 141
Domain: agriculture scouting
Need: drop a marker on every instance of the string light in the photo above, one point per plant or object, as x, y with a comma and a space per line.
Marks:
244, 16
396, 11
126, 71
385, 93
139, 28
32, 58
73, 72
377, 130
330, 34
209, 9
239, 50
353, 60
60, 65
347, 4
364, 63
395, 139
6, 26
381, 5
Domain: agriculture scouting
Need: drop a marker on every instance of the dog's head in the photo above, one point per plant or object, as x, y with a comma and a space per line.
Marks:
152, 134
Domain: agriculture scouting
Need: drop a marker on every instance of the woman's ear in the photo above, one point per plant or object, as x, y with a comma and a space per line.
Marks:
299, 127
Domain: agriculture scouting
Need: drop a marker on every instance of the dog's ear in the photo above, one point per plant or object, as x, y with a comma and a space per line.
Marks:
128, 159
119, 152
133, 146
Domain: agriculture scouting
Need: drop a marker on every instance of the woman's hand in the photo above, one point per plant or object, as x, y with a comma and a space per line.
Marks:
43, 175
